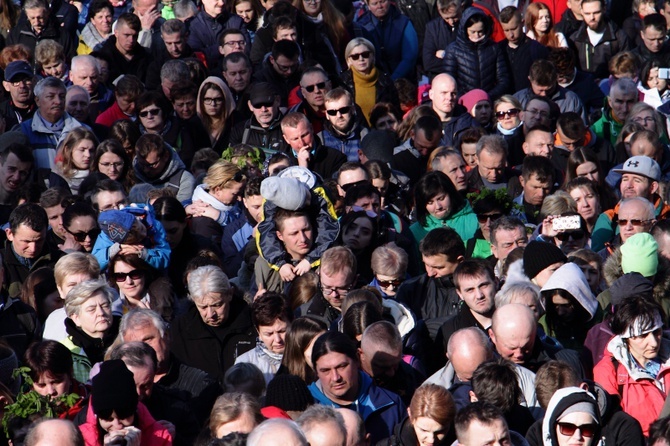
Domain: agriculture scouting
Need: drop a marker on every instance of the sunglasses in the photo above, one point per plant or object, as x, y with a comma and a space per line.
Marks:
511, 113
342, 111
387, 283
370, 214
152, 112
239, 177
263, 104
565, 236
80, 237
484, 218
320, 86
634, 222
135, 274
346, 187
364, 55
568, 429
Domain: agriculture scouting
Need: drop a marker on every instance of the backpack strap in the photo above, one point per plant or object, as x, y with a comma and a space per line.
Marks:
620, 377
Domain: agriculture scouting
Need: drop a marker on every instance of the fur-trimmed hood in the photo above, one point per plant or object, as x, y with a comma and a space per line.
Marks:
612, 271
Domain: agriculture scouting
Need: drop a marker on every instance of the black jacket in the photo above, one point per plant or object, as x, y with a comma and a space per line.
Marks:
11, 114
137, 66
568, 24
325, 161
663, 56
213, 349
385, 88
18, 324
282, 86
319, 308
16, 272
462, 319
477, 65
23, 33
250, 132
595, 60
205, 30
520, 59
439, 35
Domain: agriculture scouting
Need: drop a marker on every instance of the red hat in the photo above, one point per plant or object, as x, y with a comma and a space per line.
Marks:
470, 99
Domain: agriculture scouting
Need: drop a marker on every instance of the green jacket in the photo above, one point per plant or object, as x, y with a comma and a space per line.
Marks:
464, 222
606, 127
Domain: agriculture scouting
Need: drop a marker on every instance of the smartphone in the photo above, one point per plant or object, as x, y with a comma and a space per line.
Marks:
566, 223
664, 73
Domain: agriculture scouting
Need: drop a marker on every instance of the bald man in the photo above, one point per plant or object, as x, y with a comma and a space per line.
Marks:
277, 432
54, 432
443, 94
381, 358
353, 423
514, 333
323, 426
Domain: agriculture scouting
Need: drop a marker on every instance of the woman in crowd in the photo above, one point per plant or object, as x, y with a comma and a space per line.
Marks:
98, 27
127, 133
582, 162
368, 84
439, 204
39, 291
215, 108
250, 11
329, 21
507, 112
271, 316
645, 115
299, 340
585, 194
90, 326
389, 265
572, 418
75, 158
358, 232
357, 316
234, 412
112, 160
385, 116
540, 28
633, 365
140, 285
622, 146
80, 222
654, 88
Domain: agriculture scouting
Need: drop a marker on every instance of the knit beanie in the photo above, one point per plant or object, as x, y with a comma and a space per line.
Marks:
114, 390
640, 255
302, 174
285, 193
589, 408
288, 392
116, 224
540, 255
470, 99
378, 145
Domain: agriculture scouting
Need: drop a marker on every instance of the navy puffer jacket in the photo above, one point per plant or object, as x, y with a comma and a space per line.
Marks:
477, 65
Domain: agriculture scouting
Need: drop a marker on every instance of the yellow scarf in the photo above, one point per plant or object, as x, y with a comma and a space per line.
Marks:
365, 86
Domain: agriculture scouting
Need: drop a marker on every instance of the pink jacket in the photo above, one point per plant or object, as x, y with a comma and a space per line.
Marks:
153, 433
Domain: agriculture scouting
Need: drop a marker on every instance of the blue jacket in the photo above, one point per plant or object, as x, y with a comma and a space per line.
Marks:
44, 141
347, 144
439, 34
235, 237
379, 408
394, 33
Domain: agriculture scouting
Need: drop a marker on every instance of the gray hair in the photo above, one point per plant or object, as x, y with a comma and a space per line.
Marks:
207, 279
648, 206
138, 318
269, 426
134, 354
505, 223
624, 85
84, 59
382, 336
184, 8
175, 70
389, 260
48, 82
80, 89
83, 292
513, 290
444, 152
173, 26
33, 4
318, 414
494, 144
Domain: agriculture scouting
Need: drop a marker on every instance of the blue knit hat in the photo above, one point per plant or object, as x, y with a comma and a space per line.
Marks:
116, 224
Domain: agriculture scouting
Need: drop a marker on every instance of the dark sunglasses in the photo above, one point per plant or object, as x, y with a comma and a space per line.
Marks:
263, 104
343, 111
239, 177
485, 218
81, 236
135, 274
511, 113
634, 222
387, 283
565, 236
310, 88
364, 55
568, 429
346, 187
152, 112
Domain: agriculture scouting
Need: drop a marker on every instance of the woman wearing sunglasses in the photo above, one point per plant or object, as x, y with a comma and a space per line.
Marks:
80, 222
140, 285
369, 84
507, 114
572, 418
215, 109
74, 158
389, 265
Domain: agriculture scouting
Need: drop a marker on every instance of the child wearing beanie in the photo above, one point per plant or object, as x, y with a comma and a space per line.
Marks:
295, 188
115, 416
478, 104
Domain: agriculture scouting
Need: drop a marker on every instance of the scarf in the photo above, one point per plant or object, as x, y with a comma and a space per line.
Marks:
93, 347
506, 132
91, 36
365, 87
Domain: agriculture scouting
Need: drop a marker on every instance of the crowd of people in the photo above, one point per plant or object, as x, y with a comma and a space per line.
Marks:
335, 223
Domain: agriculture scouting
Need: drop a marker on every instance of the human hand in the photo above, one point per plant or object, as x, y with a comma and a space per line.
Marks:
148, 18
303, 158
548, 230
131, 249
70, 244
440, 54
302, 267
260, 291
287, 273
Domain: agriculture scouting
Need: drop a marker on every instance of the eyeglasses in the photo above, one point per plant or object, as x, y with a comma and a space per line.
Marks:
542, 114
286, 68
239, 43
565, 236
370, 214
263, 104
364, 55
568, 429
212, 101
634, 222
642, 120
484, 218
320, 86
511, 113
342, 111
80, 237
135, 274
152, 112
387, 283
25, 80
114, 165
327, 290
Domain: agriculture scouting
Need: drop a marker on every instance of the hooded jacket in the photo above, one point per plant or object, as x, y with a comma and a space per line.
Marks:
562, 400
221, 142
380, 409
477, 65
175, 176
463, 221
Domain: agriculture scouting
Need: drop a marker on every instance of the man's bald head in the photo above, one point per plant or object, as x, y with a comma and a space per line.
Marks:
54, 432
513, 330
466, 350
442, 80
355, 427
443, 92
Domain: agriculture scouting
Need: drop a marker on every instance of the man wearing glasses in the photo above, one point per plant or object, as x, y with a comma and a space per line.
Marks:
337, 276
263, 129
20, 106
281, 69
343, 129
314, 85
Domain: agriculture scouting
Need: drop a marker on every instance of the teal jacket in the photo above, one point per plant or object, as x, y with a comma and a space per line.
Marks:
464, 222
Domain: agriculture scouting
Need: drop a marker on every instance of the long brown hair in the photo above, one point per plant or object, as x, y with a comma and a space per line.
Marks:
549, 39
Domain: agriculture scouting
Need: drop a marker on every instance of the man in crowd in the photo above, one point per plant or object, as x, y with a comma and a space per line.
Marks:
127, 56
263, 128
412, 156
507, 233
323, 426
281, 69
16, 165
453, 116
491, 171
314, 85
237, 70
343, 129
20, 105
654, 36
623, 95
537, 180
85, 72
481, 423
571, 133
451, 163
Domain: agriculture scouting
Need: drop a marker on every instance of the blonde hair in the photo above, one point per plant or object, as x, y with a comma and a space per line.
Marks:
220, 173
49, 51
231, 406
76, 263
77, 135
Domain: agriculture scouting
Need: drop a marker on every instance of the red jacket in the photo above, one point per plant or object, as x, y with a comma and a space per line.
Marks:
153, 433
641, 397
111, 115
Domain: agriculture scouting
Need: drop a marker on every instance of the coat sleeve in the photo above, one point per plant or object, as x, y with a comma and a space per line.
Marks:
450, 64
159, 255
186, 186
605, 375
326, 222
269, 246
602, 232
431, 45
410, 53
502, 75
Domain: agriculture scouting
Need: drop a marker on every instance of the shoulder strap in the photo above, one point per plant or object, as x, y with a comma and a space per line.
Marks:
175, 180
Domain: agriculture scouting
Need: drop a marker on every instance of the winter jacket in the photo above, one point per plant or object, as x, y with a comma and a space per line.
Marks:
405, 435
175, 176
19, 326
266, 361
395, 40
111, 115
318, 308
348, 143
205, 31
45, 141
234, 240
642, 396
595, 59
477, 65
568, 23
439, 35
325, 161
409, 161
583, 86
270, 139
380, 409
566, 100
153, 432
137, 65
23, 34
562, 400
644, 55
452, 129
14, 116
463, 221
213, 349
16, 271
520, 59
386, 91
281, 85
